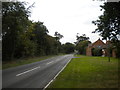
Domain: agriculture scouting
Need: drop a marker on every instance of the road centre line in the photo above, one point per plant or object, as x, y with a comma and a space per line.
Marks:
49, 62
27, 71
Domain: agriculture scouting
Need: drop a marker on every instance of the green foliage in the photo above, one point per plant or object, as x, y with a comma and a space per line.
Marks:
58, 36
108, 24
39, 32
96, 52
81, 47
24, 38
68, 48
81, 43
52, 46
81, 38
14, 23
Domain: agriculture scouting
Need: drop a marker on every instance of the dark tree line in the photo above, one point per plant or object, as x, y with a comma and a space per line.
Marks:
68, 48
22, 37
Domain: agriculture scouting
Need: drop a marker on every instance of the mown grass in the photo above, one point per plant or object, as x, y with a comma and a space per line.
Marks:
88, 72
19, 62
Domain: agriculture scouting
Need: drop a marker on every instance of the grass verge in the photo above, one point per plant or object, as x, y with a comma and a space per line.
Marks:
88, 72
19, 62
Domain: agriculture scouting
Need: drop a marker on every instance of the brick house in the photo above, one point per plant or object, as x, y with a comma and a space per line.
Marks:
99, 44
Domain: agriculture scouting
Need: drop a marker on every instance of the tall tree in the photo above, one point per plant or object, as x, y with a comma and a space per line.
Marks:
14, 23
81, 43
81, 38
40, 31
81, 46
58, 36
108, 24
23, 37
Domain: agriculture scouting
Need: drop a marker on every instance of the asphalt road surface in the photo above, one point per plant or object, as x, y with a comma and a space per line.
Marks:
35, 75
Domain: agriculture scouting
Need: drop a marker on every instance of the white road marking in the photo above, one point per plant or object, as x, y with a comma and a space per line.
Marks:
49, 62
27, 71
57, 74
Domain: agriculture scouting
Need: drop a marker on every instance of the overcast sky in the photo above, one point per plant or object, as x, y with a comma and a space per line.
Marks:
68, 17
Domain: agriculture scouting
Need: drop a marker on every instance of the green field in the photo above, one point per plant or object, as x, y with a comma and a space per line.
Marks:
88, 72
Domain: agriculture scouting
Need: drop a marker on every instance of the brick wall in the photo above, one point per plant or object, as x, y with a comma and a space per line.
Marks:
88, 51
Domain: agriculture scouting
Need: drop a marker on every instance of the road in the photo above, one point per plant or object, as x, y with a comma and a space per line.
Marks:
35, 75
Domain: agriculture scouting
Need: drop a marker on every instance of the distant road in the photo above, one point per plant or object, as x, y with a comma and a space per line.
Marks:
35, 75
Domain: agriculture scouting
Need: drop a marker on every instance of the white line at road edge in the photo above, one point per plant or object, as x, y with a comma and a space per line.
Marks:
56, 75
27, 71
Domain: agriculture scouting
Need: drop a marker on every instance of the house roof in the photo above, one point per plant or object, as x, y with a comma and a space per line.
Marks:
98, 43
